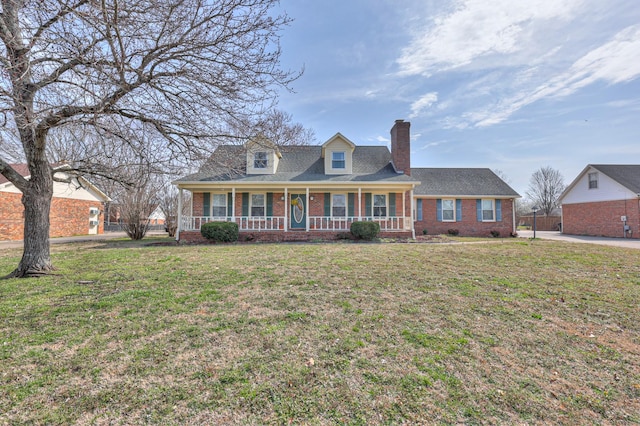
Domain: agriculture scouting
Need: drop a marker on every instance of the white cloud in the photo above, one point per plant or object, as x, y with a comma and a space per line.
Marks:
423, 103
610, 63
480, 28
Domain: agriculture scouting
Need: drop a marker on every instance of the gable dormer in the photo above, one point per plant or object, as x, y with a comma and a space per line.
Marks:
262, 157
338, 155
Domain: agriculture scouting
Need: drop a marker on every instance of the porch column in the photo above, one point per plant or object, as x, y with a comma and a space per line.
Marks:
233, 204
404, 209
413, 228
179, 214
308, 209
359, 204
286, 209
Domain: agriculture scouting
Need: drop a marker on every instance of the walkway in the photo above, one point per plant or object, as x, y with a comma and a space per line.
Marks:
555, 235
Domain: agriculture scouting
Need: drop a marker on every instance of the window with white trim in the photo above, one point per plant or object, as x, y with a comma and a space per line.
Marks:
488, 212
219, 205
338, 160
379, 205
448, 210
260, 160
593, 180
257, 205
338, 205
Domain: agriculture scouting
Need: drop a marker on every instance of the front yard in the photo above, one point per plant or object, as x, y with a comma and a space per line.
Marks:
504, 332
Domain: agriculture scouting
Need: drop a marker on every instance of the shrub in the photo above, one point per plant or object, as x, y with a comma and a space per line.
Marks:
344, 236
221, 232
365, 230
453, 232
495, 234
424, 231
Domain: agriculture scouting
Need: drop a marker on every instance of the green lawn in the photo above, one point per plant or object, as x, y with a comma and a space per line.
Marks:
501, 332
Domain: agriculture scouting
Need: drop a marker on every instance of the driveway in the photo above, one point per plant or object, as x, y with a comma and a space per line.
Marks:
555, 235
62, 240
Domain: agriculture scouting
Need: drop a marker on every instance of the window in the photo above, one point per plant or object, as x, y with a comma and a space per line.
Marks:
257, 204
337, 160
487, 211
219, 205
593, 180
448, 211
338, 205
260, 160
379, 205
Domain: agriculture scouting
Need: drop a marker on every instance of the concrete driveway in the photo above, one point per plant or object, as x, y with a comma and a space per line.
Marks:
62, 240
555, 235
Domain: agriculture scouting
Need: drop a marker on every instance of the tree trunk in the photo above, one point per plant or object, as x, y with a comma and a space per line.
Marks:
36, 259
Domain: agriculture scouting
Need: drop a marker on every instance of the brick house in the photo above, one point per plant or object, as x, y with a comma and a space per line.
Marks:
603, 200
76, 207
306, 192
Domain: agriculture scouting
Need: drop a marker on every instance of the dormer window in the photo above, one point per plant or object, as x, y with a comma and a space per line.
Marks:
260, 160
338, 160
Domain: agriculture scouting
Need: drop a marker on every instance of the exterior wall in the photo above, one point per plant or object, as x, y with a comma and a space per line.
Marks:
11, 216
601, 218
469, 225
607, 190
68, 217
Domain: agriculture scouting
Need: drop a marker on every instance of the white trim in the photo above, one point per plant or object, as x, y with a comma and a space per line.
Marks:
455, 219
264, 206
493, 207
346, 204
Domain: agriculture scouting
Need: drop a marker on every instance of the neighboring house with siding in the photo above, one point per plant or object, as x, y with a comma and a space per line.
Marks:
76, 207
603, 200
305, 192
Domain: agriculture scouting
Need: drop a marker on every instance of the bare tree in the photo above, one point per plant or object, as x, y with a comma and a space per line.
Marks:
545, 187
159, 76
136, 206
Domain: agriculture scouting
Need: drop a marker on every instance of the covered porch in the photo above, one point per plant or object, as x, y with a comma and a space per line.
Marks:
314, 212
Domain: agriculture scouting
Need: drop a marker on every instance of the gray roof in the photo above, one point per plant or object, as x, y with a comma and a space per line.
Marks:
299, 164
627, 175
463, 182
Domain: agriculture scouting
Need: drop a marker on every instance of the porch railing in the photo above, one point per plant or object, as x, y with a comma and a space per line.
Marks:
276, 223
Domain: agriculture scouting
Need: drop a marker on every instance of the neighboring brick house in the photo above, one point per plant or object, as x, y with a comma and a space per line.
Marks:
76, 207
603, 200
307, 192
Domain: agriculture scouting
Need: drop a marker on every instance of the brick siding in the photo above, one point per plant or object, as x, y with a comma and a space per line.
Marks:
68, 217
469, 225
601, 218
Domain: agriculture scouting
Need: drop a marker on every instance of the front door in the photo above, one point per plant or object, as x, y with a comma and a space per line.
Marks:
298, 211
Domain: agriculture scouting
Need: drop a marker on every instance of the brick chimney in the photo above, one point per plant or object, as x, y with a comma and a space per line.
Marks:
401, 146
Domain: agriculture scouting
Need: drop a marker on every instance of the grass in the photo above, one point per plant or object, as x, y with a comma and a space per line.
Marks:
503, 332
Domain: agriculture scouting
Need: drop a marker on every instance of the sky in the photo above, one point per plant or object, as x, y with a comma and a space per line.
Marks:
508, 85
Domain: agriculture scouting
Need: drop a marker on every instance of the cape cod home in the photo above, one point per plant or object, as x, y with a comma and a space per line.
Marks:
603, 200
76, 207
309, 192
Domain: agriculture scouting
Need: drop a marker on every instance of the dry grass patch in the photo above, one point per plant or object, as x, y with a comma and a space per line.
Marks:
507, 332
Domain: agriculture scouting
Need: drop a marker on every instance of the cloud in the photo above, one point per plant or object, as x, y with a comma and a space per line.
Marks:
480, 28
424, 102
609, 63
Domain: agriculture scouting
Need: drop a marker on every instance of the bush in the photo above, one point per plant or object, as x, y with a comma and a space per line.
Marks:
453, 232
424, 232
220, 232
365, 230
495, 234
